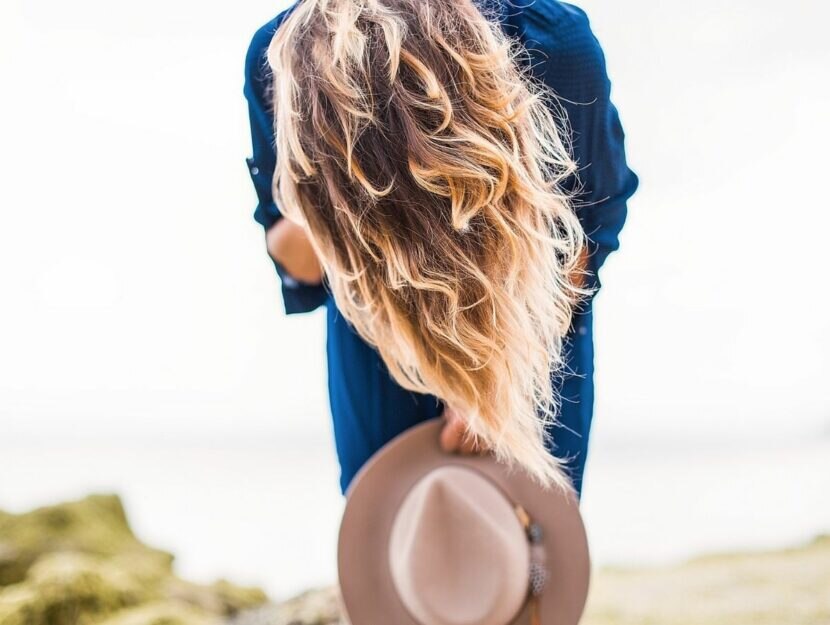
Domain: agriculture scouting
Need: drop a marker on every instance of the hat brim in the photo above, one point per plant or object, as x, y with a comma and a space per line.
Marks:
378, 490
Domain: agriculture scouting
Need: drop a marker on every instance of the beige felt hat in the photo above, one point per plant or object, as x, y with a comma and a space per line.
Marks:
429, 538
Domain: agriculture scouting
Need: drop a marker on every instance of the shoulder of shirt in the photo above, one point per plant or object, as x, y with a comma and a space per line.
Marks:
255, 57
550, 25
543, 24
560, 16
560, 41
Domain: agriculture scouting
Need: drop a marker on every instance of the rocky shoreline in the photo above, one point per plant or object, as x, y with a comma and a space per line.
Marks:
79, 563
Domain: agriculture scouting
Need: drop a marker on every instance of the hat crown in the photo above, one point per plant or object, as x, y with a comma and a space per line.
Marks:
458, 554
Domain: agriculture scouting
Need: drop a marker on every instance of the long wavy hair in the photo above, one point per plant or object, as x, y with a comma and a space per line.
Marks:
427, 167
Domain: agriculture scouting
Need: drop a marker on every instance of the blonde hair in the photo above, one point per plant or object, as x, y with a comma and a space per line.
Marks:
426, 167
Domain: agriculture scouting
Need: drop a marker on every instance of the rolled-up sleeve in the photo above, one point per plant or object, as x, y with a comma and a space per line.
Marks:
569, 59
297, 296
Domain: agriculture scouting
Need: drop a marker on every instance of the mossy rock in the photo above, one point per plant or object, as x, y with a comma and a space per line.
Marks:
79, 563
68, 588
313, 607
221, 597
163, 613
96, 525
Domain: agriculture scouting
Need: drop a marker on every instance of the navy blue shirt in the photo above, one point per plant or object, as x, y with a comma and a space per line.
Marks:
368, 407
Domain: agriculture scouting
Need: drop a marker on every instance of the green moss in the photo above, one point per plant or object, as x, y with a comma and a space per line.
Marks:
96, 525
79, 563
163, 613
67, 588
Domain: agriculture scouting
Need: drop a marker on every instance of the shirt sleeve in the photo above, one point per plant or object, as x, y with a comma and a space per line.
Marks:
569, 59
297, 296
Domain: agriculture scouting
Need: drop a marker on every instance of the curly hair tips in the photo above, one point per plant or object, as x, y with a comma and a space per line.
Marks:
427, 168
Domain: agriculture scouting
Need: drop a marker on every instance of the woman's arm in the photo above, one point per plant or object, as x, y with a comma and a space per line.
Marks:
290, 251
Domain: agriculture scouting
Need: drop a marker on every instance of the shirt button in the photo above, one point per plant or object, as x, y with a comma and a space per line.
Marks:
255, 170
582, 330
290, 282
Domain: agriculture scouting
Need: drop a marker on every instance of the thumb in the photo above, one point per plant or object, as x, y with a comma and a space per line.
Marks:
453, 431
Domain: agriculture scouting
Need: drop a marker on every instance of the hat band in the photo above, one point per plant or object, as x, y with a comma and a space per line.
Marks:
538, 572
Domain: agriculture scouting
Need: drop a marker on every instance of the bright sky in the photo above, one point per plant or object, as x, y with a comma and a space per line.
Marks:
137, 295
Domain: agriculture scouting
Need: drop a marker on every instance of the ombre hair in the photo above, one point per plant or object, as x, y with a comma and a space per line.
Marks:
427, 167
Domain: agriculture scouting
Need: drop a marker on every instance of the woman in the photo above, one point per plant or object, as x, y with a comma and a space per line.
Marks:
417, 176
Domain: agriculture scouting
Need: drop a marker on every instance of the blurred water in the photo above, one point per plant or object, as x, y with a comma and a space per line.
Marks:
266, 511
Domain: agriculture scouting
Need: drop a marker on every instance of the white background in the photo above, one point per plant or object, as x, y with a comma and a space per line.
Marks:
143, 349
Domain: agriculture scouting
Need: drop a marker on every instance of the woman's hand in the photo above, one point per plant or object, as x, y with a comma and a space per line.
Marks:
455, 437
288, 244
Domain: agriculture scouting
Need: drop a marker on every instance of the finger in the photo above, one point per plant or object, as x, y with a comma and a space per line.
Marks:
449, 414
472, 444
469, 445
456, 438
452, 434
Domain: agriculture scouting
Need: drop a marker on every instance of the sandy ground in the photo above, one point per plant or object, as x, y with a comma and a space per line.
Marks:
787, 587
